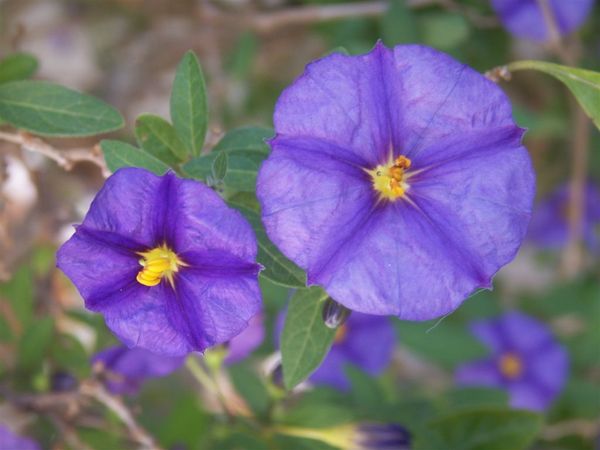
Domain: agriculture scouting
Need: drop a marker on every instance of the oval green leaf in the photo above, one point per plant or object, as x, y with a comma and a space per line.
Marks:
157, 137
189, 105
48, 109
120, 154
305, 339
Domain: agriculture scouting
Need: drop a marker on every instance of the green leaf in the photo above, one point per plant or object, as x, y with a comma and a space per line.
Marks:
278, 268
19, 293
52, 110
305, 339
584, 84
246, 150
219, 166
398, 25
17, 66
482, 429
320, 408
34, 344
120, 154
157, 137
189, 106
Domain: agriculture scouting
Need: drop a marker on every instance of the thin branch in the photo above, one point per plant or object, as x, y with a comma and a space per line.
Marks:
267, 22
66, 159
96, 390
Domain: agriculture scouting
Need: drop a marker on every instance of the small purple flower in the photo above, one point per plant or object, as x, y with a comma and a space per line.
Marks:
364, 341
12, 441
549, 226
527, 361
397, 180
170, 266
247, 341
126, 369
525, 18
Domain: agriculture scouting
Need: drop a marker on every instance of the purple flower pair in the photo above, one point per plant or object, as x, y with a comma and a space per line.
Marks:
526, 360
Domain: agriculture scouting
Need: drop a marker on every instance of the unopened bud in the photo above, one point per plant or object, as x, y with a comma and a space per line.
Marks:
334, 314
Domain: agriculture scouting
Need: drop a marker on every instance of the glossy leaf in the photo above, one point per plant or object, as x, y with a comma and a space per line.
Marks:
305, 339
120, 154
584, 84
157, 137
18, 66
52, 110
189, 105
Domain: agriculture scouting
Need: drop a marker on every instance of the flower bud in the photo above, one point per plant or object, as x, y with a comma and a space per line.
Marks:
334, 314
382, 436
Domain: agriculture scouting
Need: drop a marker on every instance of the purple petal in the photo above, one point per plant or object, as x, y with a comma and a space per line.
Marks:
310, 202
10, 440
331, 371
130, 367
369, 342
490, 334
526, 395
549, 366
96, 268
200, 221
209, 308
338, 100
126, 205
479, 373
138, 316
525, 19
524, 333
247, 341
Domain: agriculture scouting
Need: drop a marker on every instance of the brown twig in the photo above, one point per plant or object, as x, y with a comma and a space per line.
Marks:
94, 389
267, 22
66, 159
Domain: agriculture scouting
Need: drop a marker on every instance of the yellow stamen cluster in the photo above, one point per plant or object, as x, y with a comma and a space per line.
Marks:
511, 365
389, 179
158, 263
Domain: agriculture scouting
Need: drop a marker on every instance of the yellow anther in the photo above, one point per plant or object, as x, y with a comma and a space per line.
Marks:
389, 179
511, 365
158, 263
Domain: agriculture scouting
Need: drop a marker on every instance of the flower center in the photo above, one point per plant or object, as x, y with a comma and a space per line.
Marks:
389, 179
158, 263
511, 365
340, 334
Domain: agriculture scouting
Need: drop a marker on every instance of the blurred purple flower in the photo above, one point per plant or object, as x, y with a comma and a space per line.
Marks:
525, 18
128, 368
527, 361
170, 266
364, 341
12, 441
247, 341
397, 180
549, 226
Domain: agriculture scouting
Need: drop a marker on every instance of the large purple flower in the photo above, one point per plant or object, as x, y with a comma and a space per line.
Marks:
364, 341
525, 18
397, 180
12, 441
170, 266
526, 360
549, 225
126, 369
